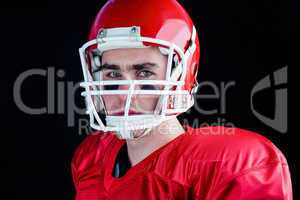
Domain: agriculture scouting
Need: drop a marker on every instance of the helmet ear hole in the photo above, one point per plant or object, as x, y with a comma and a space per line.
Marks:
195, 85
174, 63
95, 59
95, 63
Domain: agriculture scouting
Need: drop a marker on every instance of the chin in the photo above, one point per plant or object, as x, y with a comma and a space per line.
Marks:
139, 132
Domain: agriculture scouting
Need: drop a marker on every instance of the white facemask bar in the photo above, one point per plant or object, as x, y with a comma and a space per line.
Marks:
91, 110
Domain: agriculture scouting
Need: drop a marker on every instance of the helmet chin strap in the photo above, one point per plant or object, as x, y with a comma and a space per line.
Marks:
126, 126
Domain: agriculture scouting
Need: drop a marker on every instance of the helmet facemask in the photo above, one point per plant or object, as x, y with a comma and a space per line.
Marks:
171, 98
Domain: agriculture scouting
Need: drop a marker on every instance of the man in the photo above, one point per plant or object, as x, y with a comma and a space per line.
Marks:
140, 67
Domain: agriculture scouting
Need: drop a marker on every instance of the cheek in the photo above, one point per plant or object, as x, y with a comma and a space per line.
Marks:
147, 102
114, 102
108, 101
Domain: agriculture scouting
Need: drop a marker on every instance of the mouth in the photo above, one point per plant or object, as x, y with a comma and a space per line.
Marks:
131, 112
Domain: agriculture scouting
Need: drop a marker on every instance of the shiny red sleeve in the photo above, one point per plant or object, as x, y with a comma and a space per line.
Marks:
74, 175
83, 158
268, 182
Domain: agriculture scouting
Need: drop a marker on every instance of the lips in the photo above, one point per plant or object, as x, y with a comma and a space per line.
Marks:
131, 112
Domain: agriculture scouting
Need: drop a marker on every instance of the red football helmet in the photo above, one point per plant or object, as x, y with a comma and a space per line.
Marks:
140, 24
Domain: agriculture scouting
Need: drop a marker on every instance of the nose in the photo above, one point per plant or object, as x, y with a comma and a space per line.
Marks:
127, 77
124, 87
123, 97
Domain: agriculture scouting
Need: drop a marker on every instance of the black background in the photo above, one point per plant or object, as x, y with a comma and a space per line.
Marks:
241, 41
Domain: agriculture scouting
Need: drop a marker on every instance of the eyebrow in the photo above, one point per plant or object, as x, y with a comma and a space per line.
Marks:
117, 67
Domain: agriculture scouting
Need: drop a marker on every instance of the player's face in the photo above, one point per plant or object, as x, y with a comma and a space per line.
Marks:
133, 64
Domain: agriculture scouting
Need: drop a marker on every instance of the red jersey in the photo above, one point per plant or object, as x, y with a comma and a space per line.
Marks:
205, 163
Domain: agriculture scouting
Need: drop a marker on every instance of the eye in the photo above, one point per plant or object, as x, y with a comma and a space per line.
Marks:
113, 74
145, 74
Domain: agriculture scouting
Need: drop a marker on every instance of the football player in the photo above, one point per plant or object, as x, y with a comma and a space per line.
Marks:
140, 66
